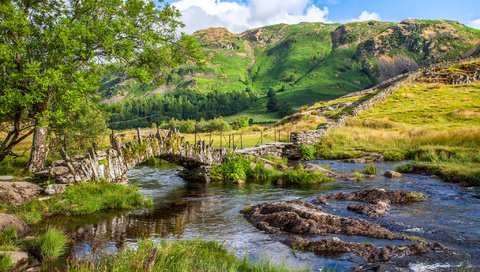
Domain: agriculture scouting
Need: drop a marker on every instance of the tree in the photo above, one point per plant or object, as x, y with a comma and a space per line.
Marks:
272, 103
53, 53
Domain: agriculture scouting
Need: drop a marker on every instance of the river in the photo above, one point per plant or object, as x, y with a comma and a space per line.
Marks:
192, 210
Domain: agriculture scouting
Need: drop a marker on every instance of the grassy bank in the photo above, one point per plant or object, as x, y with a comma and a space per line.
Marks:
435, 125
81, 199
184, 255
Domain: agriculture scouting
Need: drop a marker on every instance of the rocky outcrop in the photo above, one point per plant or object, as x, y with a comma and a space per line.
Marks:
12, 221
378, 200
300, 217
367, 251
18, 192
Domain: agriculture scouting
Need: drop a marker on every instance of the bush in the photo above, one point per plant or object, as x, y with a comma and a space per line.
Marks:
307, 152
5, 262
51, 244
370, 169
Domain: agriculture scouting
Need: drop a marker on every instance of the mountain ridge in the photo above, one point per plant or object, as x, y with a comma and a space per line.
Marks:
310, 62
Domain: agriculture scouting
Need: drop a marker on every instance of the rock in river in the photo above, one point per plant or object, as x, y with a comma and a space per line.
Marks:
367, 251
300, 217
378, 200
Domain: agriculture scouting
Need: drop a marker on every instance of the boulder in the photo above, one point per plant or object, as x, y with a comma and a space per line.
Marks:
20, 260
55, 189
367, 251
15, 193
392, 174
300, 217
8, 221
6, 178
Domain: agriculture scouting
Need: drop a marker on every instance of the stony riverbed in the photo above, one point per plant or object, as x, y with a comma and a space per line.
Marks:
450, 216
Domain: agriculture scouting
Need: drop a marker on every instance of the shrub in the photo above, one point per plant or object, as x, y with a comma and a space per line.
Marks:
5, 262
51, 244
307, 152
370, 169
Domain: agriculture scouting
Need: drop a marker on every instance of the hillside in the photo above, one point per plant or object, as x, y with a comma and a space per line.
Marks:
309, 62
433, 120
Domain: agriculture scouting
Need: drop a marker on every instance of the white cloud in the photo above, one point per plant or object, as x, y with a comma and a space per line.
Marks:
366, 16
237, 17
475, 24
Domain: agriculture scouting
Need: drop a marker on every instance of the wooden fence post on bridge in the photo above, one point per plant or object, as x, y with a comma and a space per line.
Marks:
221, 142
139, 136
233, 141
261, 137
241, 140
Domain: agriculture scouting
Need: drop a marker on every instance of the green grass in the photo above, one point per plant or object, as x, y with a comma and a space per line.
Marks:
5, 263
417, 123
179, 256
51, 245
9, 239
81, 199
299, 176
370, 169
13, 166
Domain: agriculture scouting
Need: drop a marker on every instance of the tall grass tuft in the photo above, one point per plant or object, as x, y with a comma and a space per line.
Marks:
8, 239
51, 245
370, 169
5, 262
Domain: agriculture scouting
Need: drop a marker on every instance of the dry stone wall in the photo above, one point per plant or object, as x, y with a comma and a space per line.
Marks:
383, 91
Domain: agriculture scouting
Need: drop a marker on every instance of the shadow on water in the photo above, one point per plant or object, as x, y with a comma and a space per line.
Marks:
192, 210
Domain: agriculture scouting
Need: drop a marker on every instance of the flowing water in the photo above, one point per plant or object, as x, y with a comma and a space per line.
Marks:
212, 212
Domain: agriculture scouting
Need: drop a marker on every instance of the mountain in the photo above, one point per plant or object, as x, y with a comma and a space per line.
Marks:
309, 62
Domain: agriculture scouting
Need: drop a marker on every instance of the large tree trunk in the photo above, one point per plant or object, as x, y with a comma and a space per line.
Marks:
39, 149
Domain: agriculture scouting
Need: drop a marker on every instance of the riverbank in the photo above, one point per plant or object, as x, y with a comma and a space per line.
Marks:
417, 123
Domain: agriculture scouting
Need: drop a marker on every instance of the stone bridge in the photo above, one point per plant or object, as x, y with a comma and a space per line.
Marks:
113, 164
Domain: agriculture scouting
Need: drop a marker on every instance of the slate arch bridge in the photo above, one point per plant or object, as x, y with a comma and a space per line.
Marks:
113, 164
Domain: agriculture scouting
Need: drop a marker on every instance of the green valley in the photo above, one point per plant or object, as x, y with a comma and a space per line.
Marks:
304, 63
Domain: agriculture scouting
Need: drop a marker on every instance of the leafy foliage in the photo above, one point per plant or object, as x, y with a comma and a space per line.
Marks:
53, 54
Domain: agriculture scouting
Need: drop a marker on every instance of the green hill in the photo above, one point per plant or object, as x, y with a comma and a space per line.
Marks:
308, 62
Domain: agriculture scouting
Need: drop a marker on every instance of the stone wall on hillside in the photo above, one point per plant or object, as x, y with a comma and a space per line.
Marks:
384, 90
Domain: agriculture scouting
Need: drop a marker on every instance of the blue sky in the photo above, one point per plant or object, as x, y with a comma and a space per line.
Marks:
239, 15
